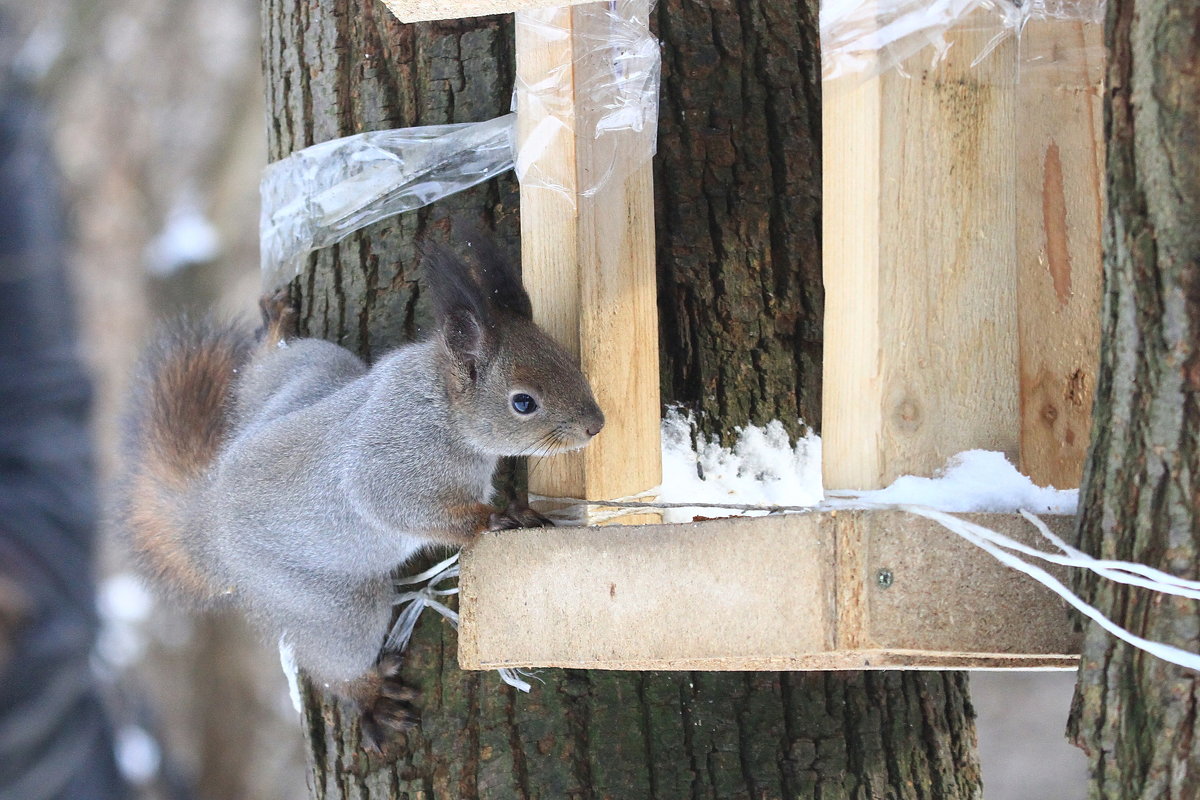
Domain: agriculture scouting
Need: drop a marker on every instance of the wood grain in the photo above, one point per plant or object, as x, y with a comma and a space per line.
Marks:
852, 405
588, 257
794, 592
921, 326
1060, 205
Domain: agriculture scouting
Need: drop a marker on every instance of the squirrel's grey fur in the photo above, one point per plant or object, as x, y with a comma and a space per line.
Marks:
329, 474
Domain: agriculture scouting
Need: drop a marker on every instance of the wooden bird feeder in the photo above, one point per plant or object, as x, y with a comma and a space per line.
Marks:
962, 208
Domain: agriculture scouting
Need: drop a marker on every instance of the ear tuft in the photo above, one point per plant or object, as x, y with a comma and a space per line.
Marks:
498, 278
450, 284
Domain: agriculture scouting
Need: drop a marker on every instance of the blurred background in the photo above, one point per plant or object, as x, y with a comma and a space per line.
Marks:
153, 111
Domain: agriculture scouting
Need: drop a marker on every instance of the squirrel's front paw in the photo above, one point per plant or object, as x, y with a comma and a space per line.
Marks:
391, 710
518, 516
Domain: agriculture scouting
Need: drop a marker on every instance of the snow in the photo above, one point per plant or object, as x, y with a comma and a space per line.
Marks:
123, 598
124, 605
40, 51
975, 480
763, 468
138, 755
187, 238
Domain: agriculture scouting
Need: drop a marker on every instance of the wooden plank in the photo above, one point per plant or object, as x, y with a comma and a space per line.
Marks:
792, 592
921, 330
852, 406
948, 596
423, 10
1060, 206
588, 258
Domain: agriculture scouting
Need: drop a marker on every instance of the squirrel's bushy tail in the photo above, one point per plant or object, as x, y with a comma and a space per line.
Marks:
180, 416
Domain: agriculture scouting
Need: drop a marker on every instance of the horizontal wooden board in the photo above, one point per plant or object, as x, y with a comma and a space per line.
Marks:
794, 592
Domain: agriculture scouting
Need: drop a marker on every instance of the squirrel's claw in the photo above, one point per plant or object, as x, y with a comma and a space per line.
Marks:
530, 518
518, 516
386, 718
392, 710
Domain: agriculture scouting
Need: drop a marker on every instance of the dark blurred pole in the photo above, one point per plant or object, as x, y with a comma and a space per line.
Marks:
54, 739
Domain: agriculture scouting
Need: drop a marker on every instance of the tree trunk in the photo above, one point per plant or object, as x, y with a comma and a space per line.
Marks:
1134, 714
738, 212
737, 196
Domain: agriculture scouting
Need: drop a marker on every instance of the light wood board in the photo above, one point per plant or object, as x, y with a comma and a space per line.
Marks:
1060, 208
962, 228
588, 259
790, 592
920, 267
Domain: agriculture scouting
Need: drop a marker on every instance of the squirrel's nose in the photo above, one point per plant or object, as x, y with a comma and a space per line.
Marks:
595, 424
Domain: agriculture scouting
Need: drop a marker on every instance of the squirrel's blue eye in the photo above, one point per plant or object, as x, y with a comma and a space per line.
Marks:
524, 404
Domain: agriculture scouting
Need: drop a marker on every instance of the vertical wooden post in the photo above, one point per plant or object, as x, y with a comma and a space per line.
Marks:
1060, 205
920, 281
588, 256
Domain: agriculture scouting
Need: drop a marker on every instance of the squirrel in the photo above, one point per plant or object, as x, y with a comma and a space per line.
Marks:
285, 477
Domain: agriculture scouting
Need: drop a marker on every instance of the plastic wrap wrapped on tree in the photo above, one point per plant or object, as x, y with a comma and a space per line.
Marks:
614, 68
869, 37
319, 195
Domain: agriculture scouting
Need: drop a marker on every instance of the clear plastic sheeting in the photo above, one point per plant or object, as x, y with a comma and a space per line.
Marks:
319, 195
593, 75
870, 37
604, 90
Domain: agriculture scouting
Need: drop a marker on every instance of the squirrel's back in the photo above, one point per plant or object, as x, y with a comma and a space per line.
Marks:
181, 413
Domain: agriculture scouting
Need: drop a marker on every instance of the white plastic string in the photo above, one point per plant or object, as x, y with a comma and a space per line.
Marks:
417, 600
570, 511
981, 537
287, 660
1118, 569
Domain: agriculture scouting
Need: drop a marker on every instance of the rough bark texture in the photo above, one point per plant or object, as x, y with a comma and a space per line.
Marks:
738, 209
339, 67
1136, 716
738, 212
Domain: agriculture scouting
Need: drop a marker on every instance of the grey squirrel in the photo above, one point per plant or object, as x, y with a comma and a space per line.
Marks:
287, 478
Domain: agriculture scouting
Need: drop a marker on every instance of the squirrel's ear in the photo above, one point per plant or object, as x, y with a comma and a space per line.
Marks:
465, 335
499, 280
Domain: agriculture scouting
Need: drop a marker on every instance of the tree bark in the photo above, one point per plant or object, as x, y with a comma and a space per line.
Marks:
1135, 715
737, 195
738, 213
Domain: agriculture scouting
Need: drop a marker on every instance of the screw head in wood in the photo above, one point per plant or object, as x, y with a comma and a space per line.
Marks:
884, 578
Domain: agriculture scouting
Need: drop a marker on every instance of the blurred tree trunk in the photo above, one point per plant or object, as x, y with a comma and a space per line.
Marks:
737, 194
157, 111
1136, 715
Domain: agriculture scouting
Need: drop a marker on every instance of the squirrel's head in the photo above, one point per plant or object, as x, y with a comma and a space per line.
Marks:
512, 389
